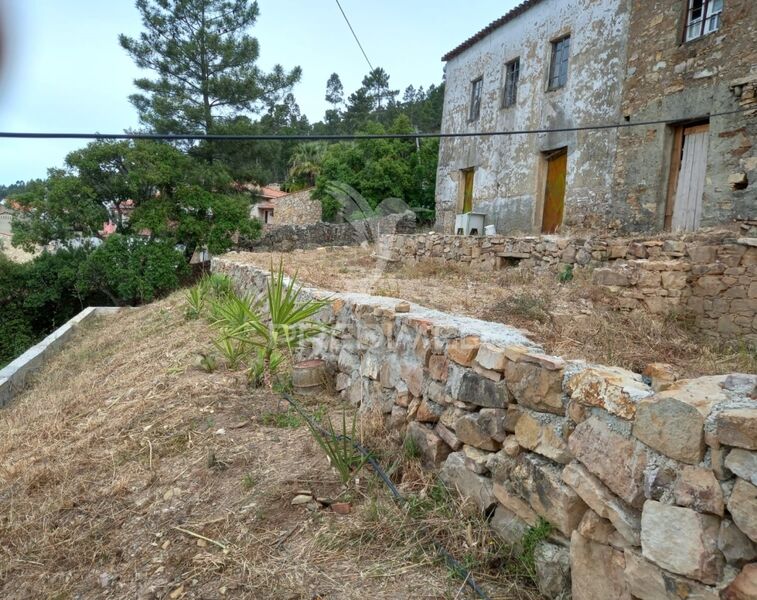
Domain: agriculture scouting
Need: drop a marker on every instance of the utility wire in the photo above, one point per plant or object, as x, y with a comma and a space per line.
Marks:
343, 137
354, 35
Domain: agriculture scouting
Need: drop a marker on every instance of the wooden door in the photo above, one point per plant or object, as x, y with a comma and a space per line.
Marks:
687, 179
554, 194
467, 190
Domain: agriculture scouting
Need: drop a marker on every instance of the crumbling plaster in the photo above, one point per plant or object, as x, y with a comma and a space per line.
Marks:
508, 179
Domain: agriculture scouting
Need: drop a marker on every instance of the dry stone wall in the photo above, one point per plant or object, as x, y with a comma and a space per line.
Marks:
649, 484
712, 276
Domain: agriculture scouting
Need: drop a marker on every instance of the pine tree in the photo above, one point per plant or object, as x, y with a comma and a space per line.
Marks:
334, 91
205, 59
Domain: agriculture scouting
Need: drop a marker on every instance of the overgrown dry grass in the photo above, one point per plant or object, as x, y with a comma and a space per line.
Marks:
572, 319
127, 472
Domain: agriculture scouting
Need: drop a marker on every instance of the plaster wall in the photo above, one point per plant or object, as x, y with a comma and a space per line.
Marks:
509, 171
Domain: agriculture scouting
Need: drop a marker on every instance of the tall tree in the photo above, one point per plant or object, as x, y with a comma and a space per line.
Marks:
334, 91
376, 84
205, 60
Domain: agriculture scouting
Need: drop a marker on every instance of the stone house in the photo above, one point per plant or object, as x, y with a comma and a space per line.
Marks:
297, 208
6, 216
568, 64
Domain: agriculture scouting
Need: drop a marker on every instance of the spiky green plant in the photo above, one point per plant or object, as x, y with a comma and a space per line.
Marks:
273, 335
338, 446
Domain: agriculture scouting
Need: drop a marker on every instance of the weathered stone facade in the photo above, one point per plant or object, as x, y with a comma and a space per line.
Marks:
671, 80
711, 275
509, 170
298, 208
648, 482
628, 64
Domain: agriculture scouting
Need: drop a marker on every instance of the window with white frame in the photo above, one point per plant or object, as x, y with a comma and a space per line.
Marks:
510, 93
702, 17
477, 87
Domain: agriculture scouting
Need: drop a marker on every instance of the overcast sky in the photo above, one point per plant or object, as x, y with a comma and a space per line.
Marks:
64, 70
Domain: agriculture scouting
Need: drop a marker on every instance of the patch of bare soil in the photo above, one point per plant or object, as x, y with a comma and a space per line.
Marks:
128, 472
572, 319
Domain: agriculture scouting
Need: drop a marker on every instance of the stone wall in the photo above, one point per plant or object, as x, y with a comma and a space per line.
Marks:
649, 484
713, 276
285, 238
298, 208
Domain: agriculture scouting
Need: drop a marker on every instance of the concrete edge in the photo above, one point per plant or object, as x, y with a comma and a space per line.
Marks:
13, 375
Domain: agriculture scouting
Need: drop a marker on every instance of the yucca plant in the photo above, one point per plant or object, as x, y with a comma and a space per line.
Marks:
196, 299
274, 336
338, 446
233, 351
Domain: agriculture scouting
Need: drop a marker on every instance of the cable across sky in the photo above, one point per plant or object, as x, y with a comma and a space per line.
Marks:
343, 137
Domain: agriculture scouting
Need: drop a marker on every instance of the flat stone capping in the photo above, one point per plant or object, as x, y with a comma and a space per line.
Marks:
13, 376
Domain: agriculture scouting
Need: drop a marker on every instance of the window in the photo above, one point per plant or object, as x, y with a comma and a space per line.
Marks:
558, 68
475, 99
510, 93
702, 17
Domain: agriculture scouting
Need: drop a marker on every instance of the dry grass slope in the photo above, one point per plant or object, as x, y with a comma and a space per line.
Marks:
126, 472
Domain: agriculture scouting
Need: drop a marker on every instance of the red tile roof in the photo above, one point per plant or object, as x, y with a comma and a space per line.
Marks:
494, 25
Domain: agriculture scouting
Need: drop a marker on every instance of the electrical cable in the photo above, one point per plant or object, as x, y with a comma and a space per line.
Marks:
453, 563
354, 35
344, 137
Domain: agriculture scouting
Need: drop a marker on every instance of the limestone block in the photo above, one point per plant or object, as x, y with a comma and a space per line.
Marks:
538, 481
699, 489
552, 565
514, 503
463, 350
744, 587
613, 389
743, 463
488, 373
545, 434
610, 277
742, 504
603, 502
448, 436
491, 357
661, 375
737, 427
595, 528
510, 528
647, 581
672, 421
477, 430
735, 545
682, 541
535, 387
432, 448
429, 411
437, 367
412, 375
469, 485
476, 460
480, 391
597, 570
619, 462
674, 281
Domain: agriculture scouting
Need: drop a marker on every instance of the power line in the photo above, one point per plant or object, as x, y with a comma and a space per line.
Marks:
354, 35
344, 137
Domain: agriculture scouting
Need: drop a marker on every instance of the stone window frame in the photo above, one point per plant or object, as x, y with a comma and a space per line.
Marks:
476, 98
512, 80
560, 51
711, 12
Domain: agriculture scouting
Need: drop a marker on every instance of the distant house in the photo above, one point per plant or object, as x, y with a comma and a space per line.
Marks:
6, 216
280, 208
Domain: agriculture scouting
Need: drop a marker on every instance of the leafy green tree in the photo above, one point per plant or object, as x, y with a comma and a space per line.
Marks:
205, 60
131, 271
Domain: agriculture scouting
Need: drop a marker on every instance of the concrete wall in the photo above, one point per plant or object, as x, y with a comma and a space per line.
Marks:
713, 276
649, 483
671, 80
508, 182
